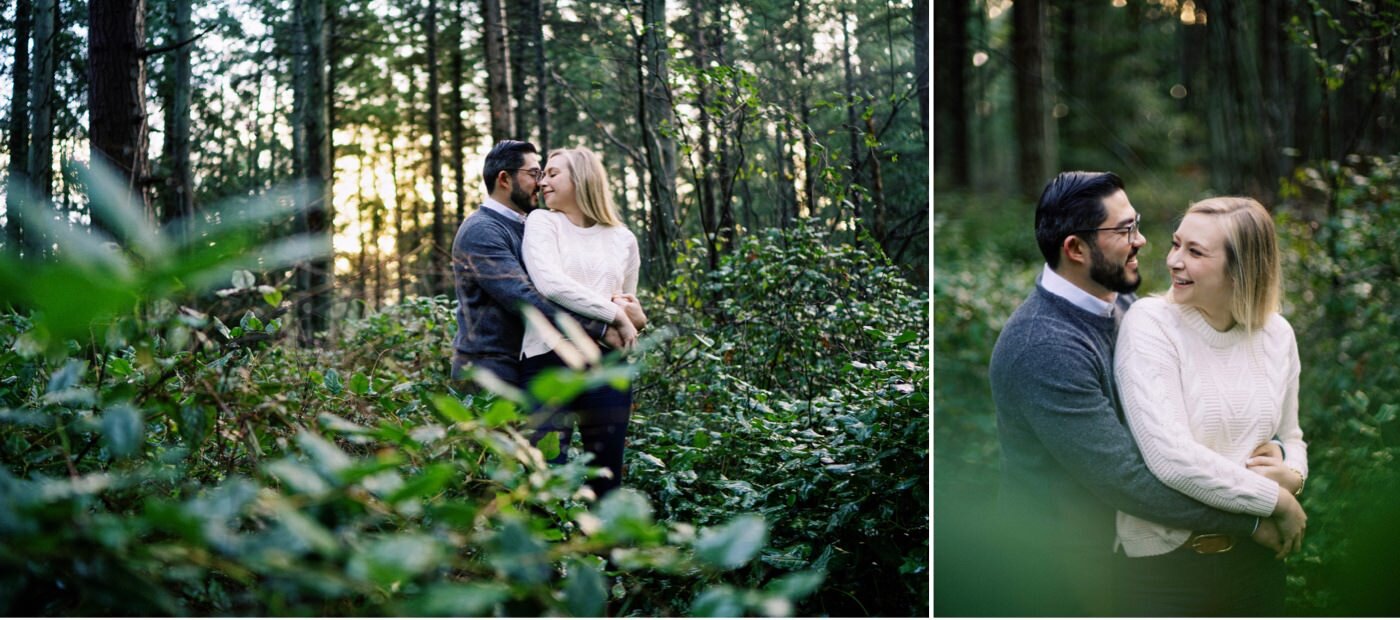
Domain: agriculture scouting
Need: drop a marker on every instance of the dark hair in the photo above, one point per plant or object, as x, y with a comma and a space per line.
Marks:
1072, 201
506, 155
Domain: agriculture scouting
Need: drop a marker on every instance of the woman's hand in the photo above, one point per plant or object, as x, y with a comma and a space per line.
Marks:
1273, 468
1291, 521
629, 304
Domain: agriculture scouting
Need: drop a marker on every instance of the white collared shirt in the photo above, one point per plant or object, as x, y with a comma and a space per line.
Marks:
495, 205
1058, 286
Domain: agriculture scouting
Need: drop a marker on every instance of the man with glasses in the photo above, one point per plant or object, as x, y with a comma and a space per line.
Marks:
490, 278
1067, 460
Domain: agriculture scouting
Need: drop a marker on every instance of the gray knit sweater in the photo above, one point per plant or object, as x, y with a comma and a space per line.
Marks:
1068, 461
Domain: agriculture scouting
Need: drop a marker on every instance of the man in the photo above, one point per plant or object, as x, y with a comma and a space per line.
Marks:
1068, 461
491, 282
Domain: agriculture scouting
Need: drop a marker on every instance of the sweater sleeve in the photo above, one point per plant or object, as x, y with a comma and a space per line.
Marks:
1295, 450
1148, 368
634, 265
489, 258
546, 267
1074, 420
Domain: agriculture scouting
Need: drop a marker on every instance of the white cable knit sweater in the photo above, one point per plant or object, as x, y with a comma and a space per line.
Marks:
1198, 401
577, 268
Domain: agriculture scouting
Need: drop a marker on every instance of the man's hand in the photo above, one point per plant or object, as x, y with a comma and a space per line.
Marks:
612, 339
1291, 521
1269, 448
1267, 535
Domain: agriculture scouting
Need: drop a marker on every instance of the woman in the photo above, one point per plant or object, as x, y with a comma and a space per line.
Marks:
581, 257
1206, 373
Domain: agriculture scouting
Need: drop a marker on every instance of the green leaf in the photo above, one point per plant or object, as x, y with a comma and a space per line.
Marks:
119, 366
305, 529
733, 544
718, 602
68, 376
549, 445
501, 412
451, 408
797, 585
359, 384
433, 479
328, 459
584, 590
393, 559
250, 322
624, 515
701, 440
243, 279
458, 600
273, 297
298, 477
332, 381
123, 430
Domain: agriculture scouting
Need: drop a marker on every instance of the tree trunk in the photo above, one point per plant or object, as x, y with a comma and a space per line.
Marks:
518, 25
458, 130
809, 168
731, 134
19, 129
852, 129
41, 98
953, 152
117, 131
314, 277
541, 78
1234, 116
1273, 73
660, 148
400, 235
1035, 130
179, 194
921, 52
497, 70
438, 250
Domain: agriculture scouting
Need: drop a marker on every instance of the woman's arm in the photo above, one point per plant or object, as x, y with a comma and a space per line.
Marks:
540, 250
1148, 370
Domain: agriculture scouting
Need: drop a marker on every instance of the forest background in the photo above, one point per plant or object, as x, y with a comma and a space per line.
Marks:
225, 264
1292, 102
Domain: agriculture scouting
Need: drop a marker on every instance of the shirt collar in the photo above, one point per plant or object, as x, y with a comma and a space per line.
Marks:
495, 205
1058, 286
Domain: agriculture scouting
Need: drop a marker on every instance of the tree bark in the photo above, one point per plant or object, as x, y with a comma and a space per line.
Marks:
518, 25
314, 278
660, 148
41, 98
853, 130
921, 52
1233, 120
497, 70
179, 194
953, 152
457, 128
809, 168
541, 77
1035, 130
439, 249
117, 130
19, 129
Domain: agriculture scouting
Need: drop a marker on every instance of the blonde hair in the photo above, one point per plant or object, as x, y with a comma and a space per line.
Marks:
590, 182
1251, 257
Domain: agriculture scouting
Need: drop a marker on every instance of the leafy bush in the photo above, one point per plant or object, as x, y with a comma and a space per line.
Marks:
796, 387
169, 463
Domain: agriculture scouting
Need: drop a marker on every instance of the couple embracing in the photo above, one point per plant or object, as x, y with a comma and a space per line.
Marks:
573, 256
1151, 452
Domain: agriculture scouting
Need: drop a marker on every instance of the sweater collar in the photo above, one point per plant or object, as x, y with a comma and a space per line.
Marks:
1197, 323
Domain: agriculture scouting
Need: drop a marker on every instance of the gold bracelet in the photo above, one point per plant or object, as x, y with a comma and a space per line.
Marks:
1303, 480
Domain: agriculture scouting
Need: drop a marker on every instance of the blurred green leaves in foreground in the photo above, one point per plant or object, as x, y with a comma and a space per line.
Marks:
164, 451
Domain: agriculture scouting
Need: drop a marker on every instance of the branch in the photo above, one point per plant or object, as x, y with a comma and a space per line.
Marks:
568, 89
147, 53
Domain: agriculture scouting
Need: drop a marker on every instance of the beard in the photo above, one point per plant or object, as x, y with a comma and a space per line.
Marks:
1114, 277
520, 198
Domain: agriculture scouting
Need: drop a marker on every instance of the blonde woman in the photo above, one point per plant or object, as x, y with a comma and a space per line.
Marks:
1206, 373
581, 257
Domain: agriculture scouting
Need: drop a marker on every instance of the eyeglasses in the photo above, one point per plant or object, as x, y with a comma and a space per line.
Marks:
1130, 230
534, 173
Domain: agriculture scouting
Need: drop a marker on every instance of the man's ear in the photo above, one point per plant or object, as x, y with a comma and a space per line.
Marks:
1075, 249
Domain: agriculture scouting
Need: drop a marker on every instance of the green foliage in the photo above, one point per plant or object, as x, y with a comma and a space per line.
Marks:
796, 389
178, 466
